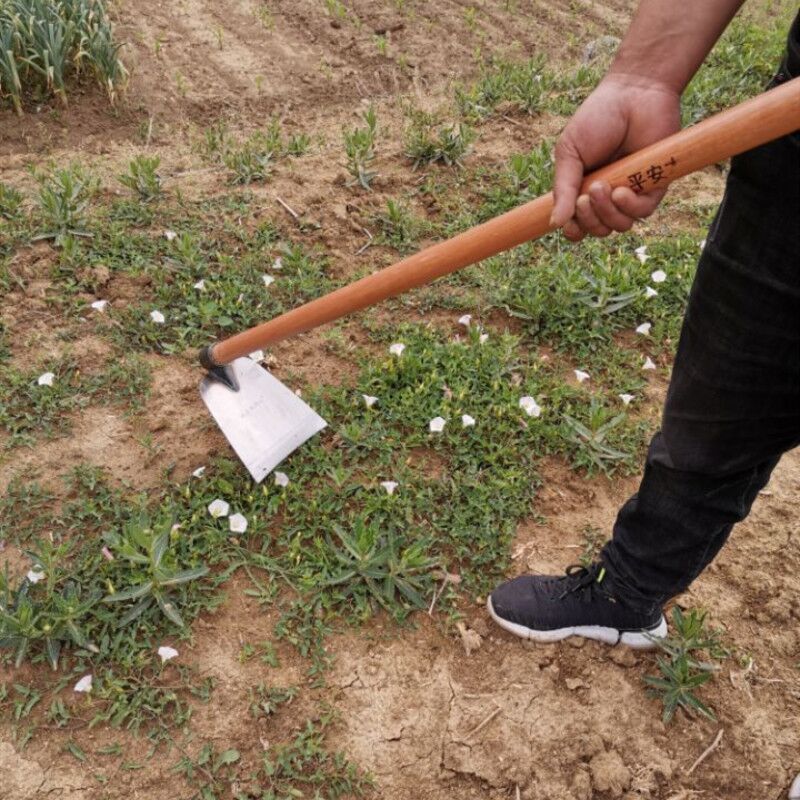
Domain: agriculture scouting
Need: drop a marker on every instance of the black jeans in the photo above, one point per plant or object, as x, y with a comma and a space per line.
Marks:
733, 405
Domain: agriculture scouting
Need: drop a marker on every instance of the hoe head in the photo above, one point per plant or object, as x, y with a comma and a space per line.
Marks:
263, 420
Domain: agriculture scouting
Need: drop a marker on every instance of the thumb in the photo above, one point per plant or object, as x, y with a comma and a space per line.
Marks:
567, 182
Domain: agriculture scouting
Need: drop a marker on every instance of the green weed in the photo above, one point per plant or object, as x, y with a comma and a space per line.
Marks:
63, 202
143, 178
427, 142
359, 147
682, 672
399, 228
153, 570
10, 201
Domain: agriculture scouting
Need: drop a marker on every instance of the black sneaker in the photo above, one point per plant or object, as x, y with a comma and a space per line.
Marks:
580, 603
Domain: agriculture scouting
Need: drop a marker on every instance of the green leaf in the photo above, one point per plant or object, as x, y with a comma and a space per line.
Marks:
132, 593
183, 577
226, 757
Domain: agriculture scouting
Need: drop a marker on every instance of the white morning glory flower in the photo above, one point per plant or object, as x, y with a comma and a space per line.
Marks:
157, 317
626, 398
581, 376
167, 653
650, 292
648, 363
467, 421
277, 263
659, 276
170, 236
257, 355
237, 523
35, 575
46, 379
107, 554
84, 684
100, 305
703, 245
644, 328
641, 253
198, 473
465, 320
218, 508
268, 280
530, 406
200, 285
437, 424
397, 349
483, 338
390, 486
281, 479
369, 400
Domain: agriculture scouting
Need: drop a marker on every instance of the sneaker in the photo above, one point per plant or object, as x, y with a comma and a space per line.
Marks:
581, 603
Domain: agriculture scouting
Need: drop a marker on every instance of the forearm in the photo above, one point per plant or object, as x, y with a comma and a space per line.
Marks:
668, 40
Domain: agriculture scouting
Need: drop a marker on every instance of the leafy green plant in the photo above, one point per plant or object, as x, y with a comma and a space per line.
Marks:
372, 565
209, 771
682, 673
63, 201
10, 201
426, 142
398, 226
528, 86
143, 178
32, 616
591, 439
153, 571
266, 700
359, 147
304, 767
45, 42
249, 163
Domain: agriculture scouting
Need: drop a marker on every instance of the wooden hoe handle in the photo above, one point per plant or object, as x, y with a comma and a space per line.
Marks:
768, 116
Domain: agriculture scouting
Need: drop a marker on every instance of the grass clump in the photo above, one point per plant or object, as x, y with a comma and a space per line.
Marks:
739, 67
530, 87
398, 226
10, 201
359, 147
43, 43
64, 196
683, 670
142, 178
428, 142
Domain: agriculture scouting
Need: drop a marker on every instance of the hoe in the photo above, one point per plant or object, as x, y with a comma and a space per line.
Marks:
264, 421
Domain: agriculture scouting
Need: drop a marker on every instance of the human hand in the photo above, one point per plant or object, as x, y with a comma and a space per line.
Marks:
622, 115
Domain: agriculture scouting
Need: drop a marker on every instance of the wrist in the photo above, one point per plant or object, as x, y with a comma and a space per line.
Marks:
619, 76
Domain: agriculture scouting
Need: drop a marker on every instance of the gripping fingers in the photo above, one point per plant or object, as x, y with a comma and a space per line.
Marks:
637, 206
587, 218
607, 212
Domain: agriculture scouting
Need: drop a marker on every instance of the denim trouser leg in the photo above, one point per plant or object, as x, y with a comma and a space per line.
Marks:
733, 405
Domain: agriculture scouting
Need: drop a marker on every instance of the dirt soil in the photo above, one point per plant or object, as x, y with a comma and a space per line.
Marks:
432, 715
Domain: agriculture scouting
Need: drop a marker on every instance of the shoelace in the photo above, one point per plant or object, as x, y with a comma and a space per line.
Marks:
582, 580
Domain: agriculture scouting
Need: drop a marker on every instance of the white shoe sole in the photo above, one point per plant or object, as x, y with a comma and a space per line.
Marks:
638, 640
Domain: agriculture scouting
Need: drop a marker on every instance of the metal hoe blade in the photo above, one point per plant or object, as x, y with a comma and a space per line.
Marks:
263, 420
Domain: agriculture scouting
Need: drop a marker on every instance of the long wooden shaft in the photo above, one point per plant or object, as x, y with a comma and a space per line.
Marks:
769, 116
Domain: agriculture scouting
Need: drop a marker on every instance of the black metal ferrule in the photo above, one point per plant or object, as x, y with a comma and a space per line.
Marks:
219, 372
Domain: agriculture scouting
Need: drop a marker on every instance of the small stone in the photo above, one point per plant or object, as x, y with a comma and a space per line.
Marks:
623, 656
609, 773
469, 638
575, 683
